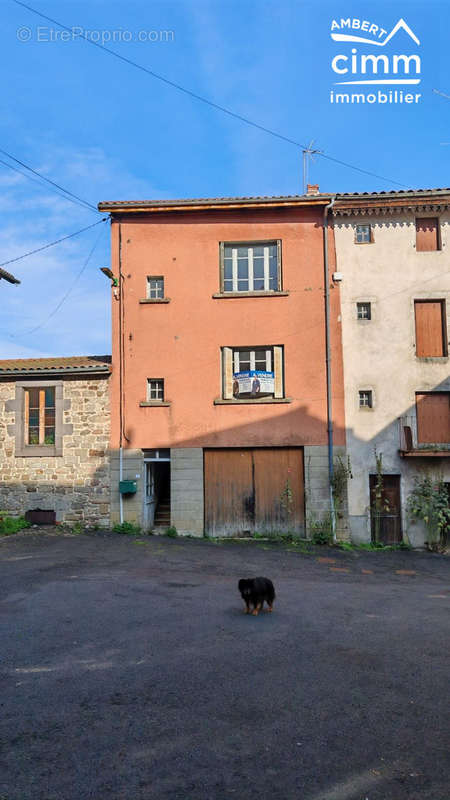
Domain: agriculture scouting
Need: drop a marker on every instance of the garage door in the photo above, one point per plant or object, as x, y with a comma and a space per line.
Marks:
254, 490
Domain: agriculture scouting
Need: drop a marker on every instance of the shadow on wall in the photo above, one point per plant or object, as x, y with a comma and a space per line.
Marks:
415, 444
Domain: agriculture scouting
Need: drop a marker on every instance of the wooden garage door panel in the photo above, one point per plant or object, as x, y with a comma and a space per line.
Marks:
273, 470
229, 501
245, 490
433, 418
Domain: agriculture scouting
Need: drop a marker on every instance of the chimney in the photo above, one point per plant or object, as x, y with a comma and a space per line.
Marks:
312, 188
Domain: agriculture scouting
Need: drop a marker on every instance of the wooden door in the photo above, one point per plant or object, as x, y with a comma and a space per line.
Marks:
254, 490
279, 494
229, 495
386, 523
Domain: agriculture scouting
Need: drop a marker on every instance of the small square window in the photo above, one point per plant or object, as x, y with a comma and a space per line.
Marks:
363, 311
155, 287
155, 390
365, 399
363, 234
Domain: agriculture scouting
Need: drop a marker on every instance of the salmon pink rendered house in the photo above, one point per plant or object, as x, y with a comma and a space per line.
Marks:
227, 388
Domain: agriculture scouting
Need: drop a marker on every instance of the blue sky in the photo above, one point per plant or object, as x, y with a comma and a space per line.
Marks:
106, 131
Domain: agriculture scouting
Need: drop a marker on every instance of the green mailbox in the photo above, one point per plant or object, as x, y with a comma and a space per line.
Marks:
127, 487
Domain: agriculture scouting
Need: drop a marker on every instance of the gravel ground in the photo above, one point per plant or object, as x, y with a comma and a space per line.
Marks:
129, 671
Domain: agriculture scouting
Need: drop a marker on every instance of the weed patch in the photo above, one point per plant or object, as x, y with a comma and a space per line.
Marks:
126, 527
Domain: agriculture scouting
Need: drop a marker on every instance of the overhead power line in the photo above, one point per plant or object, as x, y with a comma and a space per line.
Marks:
72, 286
69, 194
447, 96
51, 244
39, 183
202, 99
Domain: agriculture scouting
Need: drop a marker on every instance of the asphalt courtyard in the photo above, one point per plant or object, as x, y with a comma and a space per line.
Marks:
130, 671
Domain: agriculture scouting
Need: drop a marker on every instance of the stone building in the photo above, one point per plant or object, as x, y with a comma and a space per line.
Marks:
54, 438
392, 250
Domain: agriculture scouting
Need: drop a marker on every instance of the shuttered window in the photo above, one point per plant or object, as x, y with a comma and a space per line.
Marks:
431, 333
427, 234
433, 417
252, 373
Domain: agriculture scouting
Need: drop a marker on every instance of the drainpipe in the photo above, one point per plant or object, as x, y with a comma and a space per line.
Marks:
328, 364
120, 374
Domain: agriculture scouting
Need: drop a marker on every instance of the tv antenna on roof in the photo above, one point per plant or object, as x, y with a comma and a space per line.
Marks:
308, 157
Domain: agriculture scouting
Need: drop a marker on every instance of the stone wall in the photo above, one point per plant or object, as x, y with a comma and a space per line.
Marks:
75, 485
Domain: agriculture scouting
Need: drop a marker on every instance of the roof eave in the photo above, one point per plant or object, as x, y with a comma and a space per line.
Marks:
121, 208
55, 372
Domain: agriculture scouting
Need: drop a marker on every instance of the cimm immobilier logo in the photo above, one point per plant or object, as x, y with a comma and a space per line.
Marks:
396, 72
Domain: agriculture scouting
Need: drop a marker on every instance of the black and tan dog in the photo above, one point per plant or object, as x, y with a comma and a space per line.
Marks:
254, 592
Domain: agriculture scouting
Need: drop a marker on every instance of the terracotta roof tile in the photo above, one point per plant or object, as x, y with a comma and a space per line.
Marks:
71, 364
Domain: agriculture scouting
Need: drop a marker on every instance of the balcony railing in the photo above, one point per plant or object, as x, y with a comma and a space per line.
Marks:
408, 432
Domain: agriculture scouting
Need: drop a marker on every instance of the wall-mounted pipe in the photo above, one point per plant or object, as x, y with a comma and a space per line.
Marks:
121, 357
327, 209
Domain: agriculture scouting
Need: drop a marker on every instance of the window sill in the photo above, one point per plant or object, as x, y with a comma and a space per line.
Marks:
227, 295
38, 451
432, 359
147, 300
262, 402
155, 403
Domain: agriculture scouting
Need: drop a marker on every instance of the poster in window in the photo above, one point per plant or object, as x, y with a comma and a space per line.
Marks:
253, 383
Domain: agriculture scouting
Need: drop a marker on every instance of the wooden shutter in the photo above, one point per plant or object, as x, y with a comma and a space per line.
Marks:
278, 371
433, 418
227, 373
27, 417
429, 316
41, 416
427, 233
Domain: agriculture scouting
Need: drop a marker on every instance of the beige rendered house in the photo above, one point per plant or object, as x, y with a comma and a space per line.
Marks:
392, 250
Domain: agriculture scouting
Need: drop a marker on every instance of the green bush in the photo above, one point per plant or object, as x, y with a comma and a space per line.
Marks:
77, 528
172, 532
321, 530
10, 525
429, 501
126, 527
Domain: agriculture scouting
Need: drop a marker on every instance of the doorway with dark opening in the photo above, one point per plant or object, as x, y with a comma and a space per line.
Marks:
157, 489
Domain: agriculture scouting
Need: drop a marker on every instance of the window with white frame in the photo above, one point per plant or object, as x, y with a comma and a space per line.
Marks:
252, 373
365, 398
363, 234
363, 311
251, 267
155, 287
155, 390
